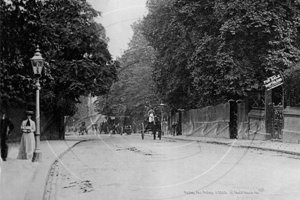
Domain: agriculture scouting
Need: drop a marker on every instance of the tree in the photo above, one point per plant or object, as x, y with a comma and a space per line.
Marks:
218, 50
74, 46
258, 39
291, 85
16, 82
134, 89
173, 46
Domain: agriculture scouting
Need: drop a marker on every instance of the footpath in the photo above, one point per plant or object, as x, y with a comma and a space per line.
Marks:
268, 145
25, 180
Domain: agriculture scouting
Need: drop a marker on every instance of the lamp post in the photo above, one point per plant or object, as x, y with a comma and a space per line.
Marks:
37, 62
161, 116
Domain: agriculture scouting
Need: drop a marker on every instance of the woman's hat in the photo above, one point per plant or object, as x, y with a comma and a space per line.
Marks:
151, 111
29, 112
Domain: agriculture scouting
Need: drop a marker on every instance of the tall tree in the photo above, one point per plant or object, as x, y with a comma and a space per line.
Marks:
220, 49
258, 39
173, 46
134, 89
19, 25
74, 46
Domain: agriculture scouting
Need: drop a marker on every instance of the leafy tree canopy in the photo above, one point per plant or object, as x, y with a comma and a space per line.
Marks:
211, 51
173, 45
134, 92
74, 47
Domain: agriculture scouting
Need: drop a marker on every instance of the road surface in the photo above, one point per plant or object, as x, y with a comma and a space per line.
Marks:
127, 168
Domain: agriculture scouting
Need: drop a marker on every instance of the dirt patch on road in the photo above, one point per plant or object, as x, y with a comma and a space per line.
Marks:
135, 150
84, 186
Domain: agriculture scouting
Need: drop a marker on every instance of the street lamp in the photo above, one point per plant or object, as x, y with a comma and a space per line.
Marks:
37, 62
161, 116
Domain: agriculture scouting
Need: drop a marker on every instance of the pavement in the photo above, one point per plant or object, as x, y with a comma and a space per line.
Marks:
267, 145
25, 180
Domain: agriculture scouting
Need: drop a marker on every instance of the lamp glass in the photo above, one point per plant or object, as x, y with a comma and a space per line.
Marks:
37, 62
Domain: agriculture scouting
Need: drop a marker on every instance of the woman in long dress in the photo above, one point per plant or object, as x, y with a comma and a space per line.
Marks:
27, 141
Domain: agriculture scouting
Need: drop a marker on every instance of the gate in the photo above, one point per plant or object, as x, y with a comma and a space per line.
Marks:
277, 121
276, 110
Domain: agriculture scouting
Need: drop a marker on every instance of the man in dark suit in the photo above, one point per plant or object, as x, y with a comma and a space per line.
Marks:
5, 127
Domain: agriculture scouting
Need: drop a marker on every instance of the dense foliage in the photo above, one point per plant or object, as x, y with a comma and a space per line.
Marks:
291, 85
210, 51
74, 46
133, 94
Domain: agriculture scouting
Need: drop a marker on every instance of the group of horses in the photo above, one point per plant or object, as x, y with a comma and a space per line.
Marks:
110, 128
104, 127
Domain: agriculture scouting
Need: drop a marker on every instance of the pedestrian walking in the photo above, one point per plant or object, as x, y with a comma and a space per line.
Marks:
156, 128
27, 141
6, 127
174, 128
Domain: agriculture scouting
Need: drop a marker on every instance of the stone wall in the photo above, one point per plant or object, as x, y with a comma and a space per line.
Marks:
291, 130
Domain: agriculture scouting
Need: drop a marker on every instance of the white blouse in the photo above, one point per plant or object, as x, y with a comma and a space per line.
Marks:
28, 129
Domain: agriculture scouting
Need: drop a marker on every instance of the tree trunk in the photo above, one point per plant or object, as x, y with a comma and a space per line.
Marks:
61, 128
59, 123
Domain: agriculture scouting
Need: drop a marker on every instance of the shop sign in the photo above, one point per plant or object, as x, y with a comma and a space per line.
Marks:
273, 82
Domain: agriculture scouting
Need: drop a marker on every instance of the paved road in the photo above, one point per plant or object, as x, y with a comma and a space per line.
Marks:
126, 167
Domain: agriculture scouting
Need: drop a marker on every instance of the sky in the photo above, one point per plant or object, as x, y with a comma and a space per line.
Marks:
117, 17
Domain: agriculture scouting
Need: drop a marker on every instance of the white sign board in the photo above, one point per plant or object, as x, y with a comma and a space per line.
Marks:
273, 82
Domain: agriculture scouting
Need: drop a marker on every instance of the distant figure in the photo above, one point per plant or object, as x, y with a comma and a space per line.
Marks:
95, 129
82, 129
103, 127
6, 127
150, 122
174, 128
27, 141
112, 129
118, 129
156, 128
151, 116
178, 128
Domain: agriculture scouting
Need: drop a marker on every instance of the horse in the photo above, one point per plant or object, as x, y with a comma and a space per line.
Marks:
156, 128
149, 126
152, 124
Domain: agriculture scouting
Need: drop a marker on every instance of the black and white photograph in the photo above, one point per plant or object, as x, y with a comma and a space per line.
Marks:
150, 99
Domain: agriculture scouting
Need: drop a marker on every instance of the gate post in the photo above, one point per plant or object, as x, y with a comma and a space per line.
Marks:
242, 120
269, 114
291, 131
232, 119
180, 122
